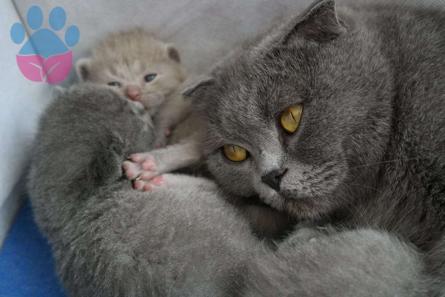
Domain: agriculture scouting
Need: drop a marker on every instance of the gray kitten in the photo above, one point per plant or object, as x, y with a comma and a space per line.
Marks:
181, 239
338, 117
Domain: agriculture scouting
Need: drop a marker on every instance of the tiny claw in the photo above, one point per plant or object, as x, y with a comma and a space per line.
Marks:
138, 185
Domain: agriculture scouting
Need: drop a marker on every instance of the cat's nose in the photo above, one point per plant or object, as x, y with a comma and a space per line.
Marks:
273, 178
133, 93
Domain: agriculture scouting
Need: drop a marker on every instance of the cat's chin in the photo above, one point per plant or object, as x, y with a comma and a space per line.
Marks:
305, 208
299, 208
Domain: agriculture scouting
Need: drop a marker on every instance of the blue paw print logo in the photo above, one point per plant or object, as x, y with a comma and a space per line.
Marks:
44, 57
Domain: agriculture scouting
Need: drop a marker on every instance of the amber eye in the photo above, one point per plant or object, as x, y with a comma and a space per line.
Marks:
235, 153
290, 118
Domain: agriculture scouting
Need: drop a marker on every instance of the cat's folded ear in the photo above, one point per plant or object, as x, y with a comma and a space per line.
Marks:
197, 85
318, 23
172, 53
83, 66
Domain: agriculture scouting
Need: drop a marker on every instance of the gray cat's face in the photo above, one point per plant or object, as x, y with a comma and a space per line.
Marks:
314, 166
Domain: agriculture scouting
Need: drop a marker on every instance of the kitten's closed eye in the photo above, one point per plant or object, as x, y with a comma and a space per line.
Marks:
150, 77
114, 84
290, 118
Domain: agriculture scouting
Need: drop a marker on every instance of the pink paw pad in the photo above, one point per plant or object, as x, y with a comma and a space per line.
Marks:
150, 185
158, 180
136, 158
149, 165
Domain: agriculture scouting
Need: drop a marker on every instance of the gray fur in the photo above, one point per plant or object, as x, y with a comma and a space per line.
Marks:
181, 239
368, 153
365, 167
348, 264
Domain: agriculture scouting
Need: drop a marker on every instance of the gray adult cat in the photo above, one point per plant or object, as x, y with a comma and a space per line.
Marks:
362, 150
338, 118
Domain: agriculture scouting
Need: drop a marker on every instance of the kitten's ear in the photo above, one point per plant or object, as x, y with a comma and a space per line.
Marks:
319, 23
83, 68
197, 85
173, 53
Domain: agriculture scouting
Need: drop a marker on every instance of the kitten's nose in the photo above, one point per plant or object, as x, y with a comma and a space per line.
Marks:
133, 92
273, 178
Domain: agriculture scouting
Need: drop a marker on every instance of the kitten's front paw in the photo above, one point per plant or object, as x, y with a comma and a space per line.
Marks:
142, 170
142, 166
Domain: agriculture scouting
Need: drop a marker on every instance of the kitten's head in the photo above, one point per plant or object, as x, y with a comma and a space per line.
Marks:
136, 65
296, 118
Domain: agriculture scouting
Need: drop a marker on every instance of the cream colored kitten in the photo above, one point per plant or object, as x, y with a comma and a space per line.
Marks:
148, 73
144, 70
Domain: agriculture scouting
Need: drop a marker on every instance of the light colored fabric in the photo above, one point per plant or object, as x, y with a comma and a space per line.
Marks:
21, 102
201, 30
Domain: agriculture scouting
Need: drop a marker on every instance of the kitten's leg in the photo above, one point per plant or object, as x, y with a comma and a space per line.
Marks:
163, 131
355, 263
174, 112
145, 167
